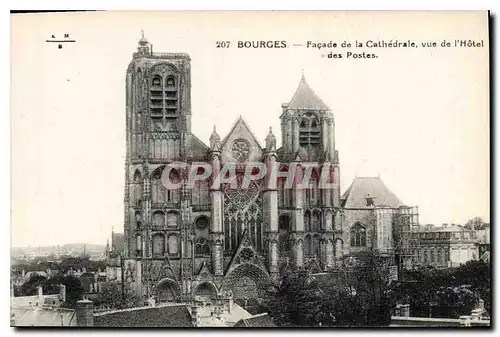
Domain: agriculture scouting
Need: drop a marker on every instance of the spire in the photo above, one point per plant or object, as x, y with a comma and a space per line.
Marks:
215, 141
143, 47
270, 141
305, 98
143, 41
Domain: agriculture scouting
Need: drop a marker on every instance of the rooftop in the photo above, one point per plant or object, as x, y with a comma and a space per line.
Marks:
368, 192
173, 316
306, 99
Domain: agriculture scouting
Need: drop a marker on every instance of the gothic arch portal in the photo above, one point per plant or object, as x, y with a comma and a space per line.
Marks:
206, 290
167, 290
247, 281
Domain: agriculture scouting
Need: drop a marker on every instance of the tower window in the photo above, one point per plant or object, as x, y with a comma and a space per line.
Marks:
158, 245
163, 97
309, 132
173, 245
202, 247
172, 219
170, 82
156, 81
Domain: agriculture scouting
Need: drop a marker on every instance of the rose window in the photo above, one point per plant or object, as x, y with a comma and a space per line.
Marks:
246, 254
241, 149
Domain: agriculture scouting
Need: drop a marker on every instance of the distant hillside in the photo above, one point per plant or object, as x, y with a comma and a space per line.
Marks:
69, 248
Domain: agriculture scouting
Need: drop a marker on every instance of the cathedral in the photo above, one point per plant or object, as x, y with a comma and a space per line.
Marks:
211, 239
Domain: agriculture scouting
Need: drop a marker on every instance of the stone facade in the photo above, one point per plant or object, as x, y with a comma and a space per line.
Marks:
448, 245
211, 238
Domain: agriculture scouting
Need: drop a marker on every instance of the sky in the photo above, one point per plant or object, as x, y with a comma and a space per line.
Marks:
416, 117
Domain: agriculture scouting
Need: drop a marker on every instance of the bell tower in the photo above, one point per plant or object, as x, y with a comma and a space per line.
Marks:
308, 133
158, 132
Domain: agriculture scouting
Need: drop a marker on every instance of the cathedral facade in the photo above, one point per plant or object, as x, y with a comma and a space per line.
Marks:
213, 239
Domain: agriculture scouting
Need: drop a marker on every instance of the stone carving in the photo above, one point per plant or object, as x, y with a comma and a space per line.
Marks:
241, 149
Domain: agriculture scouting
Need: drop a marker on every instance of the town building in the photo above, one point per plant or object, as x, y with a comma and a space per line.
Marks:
448, 245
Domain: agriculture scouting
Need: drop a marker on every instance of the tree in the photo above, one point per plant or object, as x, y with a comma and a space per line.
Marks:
74, 290
356, 294
110, 295
74, 263
359, 294
295, 301
446, 293
30, 287
475, 223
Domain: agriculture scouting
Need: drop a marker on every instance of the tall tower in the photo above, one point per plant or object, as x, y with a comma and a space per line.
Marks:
158, 132
308, 132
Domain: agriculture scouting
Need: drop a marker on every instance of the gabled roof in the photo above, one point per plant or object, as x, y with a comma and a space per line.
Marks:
306, 99
41, 317
174, 316
369, 187
241, 122
199, 148
256, 321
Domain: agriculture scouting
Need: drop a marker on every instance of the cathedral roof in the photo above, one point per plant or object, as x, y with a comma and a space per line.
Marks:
367, 192
305, 98
198, 147
240, 123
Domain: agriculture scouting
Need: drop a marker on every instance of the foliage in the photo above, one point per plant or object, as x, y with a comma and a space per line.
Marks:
30, 287
110, 296
74, 290
357, 294
446, 292
475, 223
43, 264
295, 301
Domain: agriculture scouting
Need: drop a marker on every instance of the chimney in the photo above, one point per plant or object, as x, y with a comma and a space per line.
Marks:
481, 304
228, 301
84, 313
40, 295
194, 313
62, 293
405, 310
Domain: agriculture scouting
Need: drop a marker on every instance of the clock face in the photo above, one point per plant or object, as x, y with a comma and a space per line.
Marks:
241, 149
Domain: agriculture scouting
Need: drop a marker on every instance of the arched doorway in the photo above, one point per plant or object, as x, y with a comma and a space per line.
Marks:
167, 291
249, 284
206, 292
